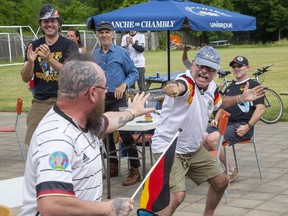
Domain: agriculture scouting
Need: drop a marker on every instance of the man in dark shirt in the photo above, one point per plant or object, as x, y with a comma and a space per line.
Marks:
43, 61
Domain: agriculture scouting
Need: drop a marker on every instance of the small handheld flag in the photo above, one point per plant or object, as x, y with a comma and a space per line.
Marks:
156, 195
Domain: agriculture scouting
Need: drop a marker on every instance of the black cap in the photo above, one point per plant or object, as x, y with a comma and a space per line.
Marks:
241, 60
48, 11
104, 25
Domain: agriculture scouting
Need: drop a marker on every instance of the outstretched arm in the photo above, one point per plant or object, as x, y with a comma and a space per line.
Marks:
135, 108
248, 95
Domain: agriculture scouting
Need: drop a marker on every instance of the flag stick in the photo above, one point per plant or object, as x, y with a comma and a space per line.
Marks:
156, 163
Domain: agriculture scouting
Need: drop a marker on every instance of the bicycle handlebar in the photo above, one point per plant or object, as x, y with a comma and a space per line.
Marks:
262, 70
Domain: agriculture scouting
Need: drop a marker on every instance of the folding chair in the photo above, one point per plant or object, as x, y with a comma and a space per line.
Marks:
253, 141
5, 210
148, 139
138, 141
222, 125
15, 128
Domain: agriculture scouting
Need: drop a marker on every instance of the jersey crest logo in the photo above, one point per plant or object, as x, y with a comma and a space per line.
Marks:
58, 160
210, 104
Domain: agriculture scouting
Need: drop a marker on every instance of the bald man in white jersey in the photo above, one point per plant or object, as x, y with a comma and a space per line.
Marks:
63, 173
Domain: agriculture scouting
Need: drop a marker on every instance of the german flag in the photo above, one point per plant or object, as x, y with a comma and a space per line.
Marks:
156, 195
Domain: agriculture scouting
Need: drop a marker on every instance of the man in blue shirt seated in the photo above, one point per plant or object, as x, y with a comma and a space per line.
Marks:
121, 73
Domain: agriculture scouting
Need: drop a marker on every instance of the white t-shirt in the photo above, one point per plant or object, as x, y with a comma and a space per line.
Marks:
190, 112
137, 57
62, 161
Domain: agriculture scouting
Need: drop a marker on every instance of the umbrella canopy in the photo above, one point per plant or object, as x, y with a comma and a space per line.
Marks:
163, 15
171, 15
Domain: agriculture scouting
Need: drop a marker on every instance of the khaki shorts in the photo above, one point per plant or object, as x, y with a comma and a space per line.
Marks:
38, 110
199, 167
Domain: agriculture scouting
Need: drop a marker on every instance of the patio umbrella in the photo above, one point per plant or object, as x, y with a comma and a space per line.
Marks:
171, 15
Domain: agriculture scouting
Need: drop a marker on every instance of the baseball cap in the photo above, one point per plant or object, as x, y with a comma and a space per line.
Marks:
48, 11
208, 56
241, 60
104, 25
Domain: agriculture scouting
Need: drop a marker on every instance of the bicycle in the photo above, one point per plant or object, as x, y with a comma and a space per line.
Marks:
273, 103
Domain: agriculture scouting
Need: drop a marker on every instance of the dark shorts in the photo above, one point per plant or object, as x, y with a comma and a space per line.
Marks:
231, 136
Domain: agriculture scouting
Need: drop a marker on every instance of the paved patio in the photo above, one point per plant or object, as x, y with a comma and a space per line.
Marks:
248, 194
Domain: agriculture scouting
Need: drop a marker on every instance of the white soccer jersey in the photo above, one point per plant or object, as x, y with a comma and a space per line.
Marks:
190, 112
62, 160
137, 57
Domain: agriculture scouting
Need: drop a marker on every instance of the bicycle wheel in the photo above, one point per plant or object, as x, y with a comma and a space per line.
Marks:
274, 107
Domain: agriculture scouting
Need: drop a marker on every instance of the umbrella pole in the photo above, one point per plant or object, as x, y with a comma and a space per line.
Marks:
168, 54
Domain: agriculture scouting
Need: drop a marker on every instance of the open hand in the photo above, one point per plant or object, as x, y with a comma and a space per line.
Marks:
252, 94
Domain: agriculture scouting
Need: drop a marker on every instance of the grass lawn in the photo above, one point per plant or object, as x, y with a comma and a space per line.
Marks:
12, 86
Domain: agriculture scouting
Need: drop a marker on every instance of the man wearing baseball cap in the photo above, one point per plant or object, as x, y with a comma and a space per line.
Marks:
43, 61
121, 74
189, 102
240, 60
244, 115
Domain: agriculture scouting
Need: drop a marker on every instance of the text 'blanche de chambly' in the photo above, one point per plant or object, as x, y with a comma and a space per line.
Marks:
143, 24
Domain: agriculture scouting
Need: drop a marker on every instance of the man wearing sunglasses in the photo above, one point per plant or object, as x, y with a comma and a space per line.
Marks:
188, 104
244, 115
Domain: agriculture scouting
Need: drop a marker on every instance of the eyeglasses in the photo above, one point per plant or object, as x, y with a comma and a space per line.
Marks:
237, 66
106, 89
206, 67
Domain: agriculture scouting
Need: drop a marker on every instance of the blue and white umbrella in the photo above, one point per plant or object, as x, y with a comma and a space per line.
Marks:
171, 15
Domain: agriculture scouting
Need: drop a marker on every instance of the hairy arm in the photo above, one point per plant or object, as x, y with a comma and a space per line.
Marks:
119, 119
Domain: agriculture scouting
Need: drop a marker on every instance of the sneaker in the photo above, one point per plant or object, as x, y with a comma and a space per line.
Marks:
233, 175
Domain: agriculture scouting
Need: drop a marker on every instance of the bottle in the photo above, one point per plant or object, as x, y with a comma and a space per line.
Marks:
158, 74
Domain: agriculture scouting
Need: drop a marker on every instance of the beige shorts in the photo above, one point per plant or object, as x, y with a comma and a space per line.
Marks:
199, 167
38, 110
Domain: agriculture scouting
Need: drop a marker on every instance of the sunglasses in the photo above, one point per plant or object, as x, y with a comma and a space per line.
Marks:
106, 89
237, 66
207, 68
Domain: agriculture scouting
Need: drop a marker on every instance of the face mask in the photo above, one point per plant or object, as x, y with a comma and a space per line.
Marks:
244, 107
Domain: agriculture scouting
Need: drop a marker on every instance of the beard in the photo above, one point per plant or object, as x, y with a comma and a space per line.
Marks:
95, 120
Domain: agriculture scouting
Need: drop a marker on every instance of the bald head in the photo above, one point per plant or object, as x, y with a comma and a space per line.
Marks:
78, 74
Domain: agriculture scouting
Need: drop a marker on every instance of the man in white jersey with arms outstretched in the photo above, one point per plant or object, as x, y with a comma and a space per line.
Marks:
189, 103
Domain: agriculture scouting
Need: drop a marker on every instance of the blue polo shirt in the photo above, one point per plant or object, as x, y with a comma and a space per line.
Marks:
117, 66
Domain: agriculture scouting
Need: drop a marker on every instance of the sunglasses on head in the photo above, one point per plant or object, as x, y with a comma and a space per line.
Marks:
237, 66
206, 67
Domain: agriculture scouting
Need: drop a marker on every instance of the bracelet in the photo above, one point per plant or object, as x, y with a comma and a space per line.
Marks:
240, 99
237, 100
250, 125
132, 113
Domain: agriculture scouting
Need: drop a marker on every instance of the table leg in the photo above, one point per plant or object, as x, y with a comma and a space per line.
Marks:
143, 155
